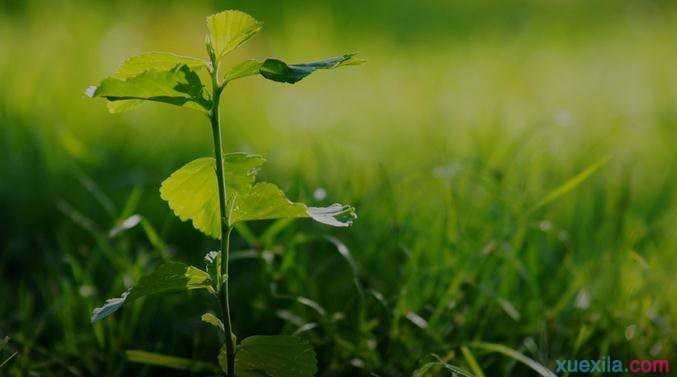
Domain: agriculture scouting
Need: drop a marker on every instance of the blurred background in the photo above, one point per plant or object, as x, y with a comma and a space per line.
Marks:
467, 115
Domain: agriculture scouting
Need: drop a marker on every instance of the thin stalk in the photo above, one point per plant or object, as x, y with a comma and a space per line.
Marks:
224, 298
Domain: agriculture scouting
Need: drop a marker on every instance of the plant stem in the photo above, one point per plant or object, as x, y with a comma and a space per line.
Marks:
224, 299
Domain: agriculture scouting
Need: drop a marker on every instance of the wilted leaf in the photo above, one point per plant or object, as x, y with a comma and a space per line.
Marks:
178, 86
277, 70
275, 356
169, 277
331, 215
109, 307
213, 265
192, 193
229, 29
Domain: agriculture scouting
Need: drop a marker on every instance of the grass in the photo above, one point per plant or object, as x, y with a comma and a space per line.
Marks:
445, 142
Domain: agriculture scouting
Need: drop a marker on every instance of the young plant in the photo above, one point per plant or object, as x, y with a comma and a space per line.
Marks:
217, 193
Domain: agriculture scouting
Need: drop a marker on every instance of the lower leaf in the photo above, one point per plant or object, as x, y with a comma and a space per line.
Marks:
169, 277
275, 356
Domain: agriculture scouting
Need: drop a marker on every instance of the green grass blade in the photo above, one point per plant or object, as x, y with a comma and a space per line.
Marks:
172, 362
571, 183
455, 371
507, 351
8, 359
472, 362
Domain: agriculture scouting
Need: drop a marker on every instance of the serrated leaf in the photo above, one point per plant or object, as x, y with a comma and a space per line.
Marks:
277, 70
172, 362
265, 201
179, 86
192, 193
123, 105
229, 29
244, 69
168, 277
156, 61
275, 356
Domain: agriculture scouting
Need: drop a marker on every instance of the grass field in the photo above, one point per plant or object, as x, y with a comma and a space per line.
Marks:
455, 143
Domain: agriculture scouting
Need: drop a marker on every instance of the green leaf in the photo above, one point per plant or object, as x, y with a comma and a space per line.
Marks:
179, 86
156, 61
213, 320
275, 356
169, 277
123, 105
152, 61
222, 358
230, 29
172, 362
265, 201
192, 193
277, 70
244, 69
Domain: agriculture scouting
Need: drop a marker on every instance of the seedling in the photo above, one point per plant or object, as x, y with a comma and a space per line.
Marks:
217, 193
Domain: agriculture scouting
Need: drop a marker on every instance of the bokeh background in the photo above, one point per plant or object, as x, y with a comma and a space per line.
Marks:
466, 116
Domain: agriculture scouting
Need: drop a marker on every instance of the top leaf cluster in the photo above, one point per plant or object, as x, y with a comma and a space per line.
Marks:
174, 79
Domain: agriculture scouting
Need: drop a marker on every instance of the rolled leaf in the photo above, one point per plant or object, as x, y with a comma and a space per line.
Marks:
169, 277
277, 70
